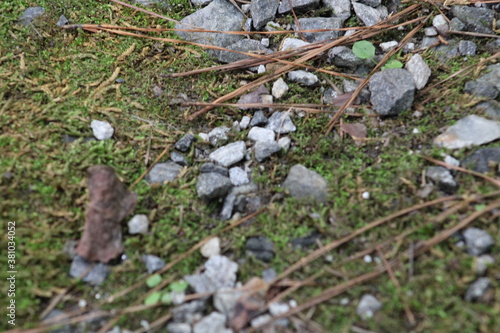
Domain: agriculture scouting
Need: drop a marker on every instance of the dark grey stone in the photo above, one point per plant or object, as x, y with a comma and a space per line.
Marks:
178, 158
232, 197
306, 241
212, 185
153, 263
306, 184
297, 5
457, 25
491, 76
481, 89
475, 19
490, 108
342, 56
467, 48
369, 15
477, 289
329, 96
392, 91
163, 172
261, 247
442, 177
341, 8
371, 3
62, 21
313, 23
263, 11
264, 149
210, 167
259, 118
477, 241
95, 276
184, 143
30, 14
244, 45
447, 52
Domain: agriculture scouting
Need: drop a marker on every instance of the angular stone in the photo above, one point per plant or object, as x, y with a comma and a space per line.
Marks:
477, 289
303, 77
280, 88
342, 56
264, 149
369, 15
184, 143
341, 8
467, 48
457, 25
212, 185
469, 131
163, 172
230, 200
475, 19
213, 323
263, 11
261, 247
313, 23
218, 135
306, 184
490, 108
442, 178
238, 176
477, 241
253, 97
371, 3
292, 44
244, 45
259, 118
138, 224
297, 5
261, 134
483, 159
30, 14
211, 248
281, 123
229, 154
153, 263
102, 129
392, 91
387, 46
419, 70
95, 276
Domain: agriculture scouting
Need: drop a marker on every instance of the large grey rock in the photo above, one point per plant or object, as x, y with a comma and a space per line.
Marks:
475, 19
483, 159
442, 178
369, 15
477, 241
314, 23
281, 123
419, 70
212, 185
306, 184
244, 45
477, 289
392, 91
264, 149
297, 5
229, 154
263, 11
367, 306
341, 8
469, 131
220, 15
95, 276
163, 172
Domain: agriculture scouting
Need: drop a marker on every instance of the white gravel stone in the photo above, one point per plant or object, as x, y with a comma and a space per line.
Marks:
367, 306
280, 88
292, 44
211, 248
261, 69
419, 70
238, 176
138, 224
439, 20
229, 154
387, 46
245, 121
303, 77
261, 134
365, 195
265, 42
285, 143
451, 161
430, 32
102, 129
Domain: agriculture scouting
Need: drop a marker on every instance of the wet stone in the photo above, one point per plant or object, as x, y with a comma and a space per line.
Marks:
153, 263
163, 172
261, 247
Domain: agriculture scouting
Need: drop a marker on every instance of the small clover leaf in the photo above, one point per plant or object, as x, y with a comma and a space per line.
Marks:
153, 281
153, 298
393, 64
363, 49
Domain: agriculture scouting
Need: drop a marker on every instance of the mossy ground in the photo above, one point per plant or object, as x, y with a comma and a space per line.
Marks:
48, 89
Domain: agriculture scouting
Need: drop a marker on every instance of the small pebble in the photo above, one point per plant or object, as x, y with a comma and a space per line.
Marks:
138, 224
365, 195
211, 248
102, 129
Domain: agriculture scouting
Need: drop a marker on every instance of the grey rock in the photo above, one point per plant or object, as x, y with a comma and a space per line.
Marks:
477, 289
392, 91
210, 167
212, 185
213, 323
231, 199
303, 77
447, 52
482, 263
229, 154
62, 21
244, 45
467, 48
342, 56
475, 19
238, 176
102, 129
439, 21
178, 158
245, 121
220, 15
442, 178
256, 96
292, 44
285, 143
95, 276
263, 11
200, 3
221, 271
430, 32
341, 8
313, 23
367, 306
261, 247
469, 131
153, 263
297, 5
218, 135
371, 3
477, 241
138, 224
259, 118
30, 14
387, 46
269, 274
280, 88
225, 301
281, 123
261, 134
457, 25
188, 312
184, 143
490, 108
264, 149
306, 184
492, 76
265, 42
329, 96
481, 89
369, 15
163, 172
419, 70
429, 41
179, 327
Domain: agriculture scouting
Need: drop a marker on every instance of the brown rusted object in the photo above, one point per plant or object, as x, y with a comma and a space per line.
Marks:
110, 203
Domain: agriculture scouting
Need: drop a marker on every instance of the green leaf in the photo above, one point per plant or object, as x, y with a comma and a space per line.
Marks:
179, 286
363, 49
153, 298
153, 281
393, 64
166, 298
